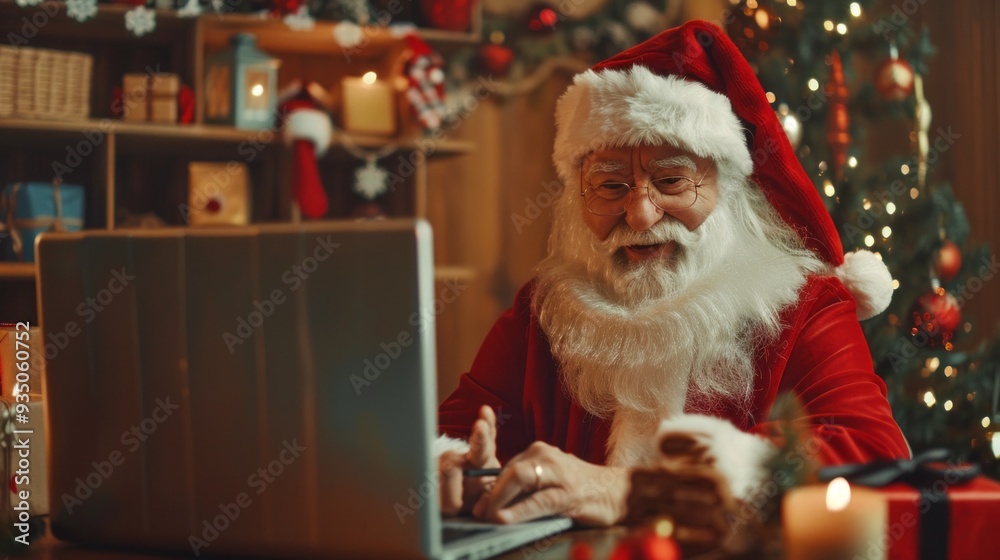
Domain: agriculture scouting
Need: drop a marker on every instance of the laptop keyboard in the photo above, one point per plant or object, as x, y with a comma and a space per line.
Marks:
452, 534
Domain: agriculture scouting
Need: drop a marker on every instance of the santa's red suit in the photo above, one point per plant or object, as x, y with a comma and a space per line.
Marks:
815, 357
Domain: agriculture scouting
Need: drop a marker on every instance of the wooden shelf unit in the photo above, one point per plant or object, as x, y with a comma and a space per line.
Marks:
131, 168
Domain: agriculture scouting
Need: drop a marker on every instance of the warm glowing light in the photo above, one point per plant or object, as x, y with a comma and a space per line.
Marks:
967, 327
813, 84
986, 421
904, 169
866, 204
842, 29
929, 399
829, 189
933, 363
369, 78
886, 231
770, 97
838, 494
890, 208
762, 19
995, 444
914, 193
822, 166
948, 405
664, 528
869, 241
855, 9
949, 371
828, 25
852, 161
895, 284
791, 2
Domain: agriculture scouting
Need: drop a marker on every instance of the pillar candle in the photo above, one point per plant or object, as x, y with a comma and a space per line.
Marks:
834, 522
368, 105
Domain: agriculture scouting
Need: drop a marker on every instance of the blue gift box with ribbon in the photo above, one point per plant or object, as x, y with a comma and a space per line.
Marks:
28, 209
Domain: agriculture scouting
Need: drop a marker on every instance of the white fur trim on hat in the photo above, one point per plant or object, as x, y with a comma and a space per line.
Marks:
738, 456
310, 124
631, 107
444, 443
868, 280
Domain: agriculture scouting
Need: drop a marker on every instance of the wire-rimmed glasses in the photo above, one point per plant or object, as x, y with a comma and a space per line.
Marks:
670, 194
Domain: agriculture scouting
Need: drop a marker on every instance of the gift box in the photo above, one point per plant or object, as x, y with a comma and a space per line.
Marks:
28, 209
949, 521
31, 345
150, 97
936, 510
218, 194
24, 456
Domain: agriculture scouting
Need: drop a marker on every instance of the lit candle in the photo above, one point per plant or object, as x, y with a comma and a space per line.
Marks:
369, 105
834, 522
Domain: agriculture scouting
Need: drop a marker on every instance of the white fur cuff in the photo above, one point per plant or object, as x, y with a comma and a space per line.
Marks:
738, 456
445, 443
312, 125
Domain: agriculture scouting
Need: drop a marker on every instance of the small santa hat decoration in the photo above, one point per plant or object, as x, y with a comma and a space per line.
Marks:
308, 130
691, 87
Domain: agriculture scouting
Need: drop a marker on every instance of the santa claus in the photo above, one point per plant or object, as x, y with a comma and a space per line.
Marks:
693, 276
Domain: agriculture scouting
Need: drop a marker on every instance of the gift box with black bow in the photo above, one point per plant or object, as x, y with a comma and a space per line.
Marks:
937, 509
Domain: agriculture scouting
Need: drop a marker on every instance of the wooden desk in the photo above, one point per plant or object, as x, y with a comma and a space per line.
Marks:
551, 548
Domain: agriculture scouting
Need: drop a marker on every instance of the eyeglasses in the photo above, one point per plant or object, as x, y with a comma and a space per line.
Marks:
669, 194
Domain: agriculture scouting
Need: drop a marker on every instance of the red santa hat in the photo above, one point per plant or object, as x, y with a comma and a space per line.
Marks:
308, 130
691, 87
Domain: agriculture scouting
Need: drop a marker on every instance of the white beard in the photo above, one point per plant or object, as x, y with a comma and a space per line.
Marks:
632, 340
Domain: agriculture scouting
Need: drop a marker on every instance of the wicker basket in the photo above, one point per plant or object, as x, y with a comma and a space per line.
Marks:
44, 84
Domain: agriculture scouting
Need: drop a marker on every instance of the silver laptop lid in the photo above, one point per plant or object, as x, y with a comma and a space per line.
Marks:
255, 390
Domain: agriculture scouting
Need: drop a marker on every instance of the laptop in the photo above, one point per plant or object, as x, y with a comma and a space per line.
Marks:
266, 390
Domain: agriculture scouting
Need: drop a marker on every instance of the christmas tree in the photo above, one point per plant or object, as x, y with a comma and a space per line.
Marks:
807, 55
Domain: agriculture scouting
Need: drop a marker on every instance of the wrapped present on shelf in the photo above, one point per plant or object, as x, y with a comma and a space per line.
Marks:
936, 510
24, 457
218, 194
18, 340
28, 209
150, 97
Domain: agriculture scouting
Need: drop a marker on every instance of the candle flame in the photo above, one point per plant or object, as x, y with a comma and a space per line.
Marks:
369, 78
838, 494
257, 90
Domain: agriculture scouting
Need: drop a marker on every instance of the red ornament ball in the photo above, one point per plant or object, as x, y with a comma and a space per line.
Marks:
948, 260
280, 8
894, 79
450, 15
496, 59
542, 20
646, 545
937, 314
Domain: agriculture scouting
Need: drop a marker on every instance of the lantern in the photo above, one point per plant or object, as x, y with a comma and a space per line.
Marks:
241, 85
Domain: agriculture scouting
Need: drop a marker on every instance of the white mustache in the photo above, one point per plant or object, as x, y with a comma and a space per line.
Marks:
664, 231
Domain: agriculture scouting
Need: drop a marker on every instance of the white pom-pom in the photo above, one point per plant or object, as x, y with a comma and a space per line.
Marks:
868, 280
312, 125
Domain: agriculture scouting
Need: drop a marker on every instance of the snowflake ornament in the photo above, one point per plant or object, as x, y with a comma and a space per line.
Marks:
81, 10
347, 34
370, 180
140, 21
191, 9
300, 20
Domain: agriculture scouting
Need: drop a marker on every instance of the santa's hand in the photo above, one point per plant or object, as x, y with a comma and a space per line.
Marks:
543, 480
459, 493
